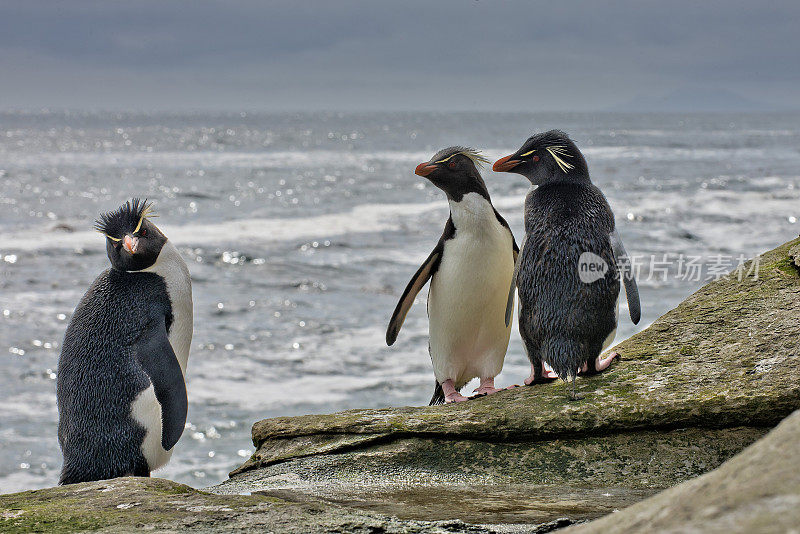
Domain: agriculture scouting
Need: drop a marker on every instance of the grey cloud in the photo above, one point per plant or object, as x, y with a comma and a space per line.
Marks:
447, 54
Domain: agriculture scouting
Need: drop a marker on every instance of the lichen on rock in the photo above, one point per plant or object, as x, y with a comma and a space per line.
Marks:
701, 383
132, 504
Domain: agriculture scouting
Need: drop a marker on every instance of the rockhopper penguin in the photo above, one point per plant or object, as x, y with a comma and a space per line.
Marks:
470, 271
121, 391
569, 268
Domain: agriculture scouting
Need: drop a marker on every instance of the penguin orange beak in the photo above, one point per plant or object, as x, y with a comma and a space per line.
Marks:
424, 169
131, 244
505, 164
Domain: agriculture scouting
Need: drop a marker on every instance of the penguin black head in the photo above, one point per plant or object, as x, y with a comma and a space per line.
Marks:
454, 170
133, 243
546, 157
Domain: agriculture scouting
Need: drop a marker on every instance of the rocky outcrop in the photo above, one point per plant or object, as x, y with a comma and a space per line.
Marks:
756, 491
703, 382
135, 504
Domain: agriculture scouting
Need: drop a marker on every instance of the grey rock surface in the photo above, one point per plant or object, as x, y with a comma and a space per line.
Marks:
703, 382
757, 491
700, 385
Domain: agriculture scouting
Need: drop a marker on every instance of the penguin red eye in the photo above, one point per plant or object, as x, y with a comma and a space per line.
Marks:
535, 158
143, 233
452, 164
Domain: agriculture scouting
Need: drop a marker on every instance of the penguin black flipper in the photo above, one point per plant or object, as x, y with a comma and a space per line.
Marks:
418, 281
156, 356
515, 251
631, 289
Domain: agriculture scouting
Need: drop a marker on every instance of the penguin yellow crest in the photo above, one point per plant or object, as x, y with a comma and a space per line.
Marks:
559, 151
477, 158
146, 212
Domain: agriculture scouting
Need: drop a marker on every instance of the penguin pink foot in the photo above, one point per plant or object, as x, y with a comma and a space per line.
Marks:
451, 394
547, 375
486, 388
601, 364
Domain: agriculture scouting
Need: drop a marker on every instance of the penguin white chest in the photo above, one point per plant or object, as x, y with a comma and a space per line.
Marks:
146, 409
468, 295
171, 267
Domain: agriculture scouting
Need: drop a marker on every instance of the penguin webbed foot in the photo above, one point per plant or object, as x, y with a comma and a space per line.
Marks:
600, 364
545, 376
451, 394
486, 388
455, 397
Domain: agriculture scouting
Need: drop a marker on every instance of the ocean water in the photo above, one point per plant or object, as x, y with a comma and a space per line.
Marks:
301, 231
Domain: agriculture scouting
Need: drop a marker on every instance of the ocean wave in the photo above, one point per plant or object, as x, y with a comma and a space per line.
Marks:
342, 159
366, 218
180, 160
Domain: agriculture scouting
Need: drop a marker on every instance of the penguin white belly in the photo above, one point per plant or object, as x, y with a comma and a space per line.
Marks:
468, 296
146, 411
171, 267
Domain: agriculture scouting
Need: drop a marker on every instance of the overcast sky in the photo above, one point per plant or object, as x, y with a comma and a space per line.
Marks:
405, 55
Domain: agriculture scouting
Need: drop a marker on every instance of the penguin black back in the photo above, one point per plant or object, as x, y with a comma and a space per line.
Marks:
566, 319
121, 391
567, 220
99, 377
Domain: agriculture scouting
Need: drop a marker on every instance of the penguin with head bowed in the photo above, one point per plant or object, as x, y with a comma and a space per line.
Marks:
470, 270
121, 391
570, 264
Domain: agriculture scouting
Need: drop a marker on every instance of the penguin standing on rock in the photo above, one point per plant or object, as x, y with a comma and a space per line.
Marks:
121, 391
470, 271
569, 267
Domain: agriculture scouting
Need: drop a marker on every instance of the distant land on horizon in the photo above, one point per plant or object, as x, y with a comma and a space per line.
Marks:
703, 99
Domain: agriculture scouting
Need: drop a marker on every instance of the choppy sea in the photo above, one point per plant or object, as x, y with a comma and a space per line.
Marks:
301, 231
